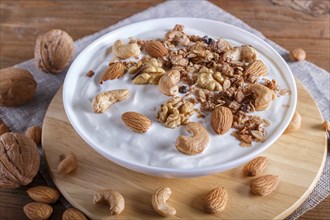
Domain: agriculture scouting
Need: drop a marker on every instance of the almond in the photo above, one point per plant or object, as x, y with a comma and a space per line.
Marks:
222, 119
37, 210
136, 121
257, 68
34, 133
114, 71
264, 185
3, 128
255, 166
73, 214
43, 194
155, 48
216, 200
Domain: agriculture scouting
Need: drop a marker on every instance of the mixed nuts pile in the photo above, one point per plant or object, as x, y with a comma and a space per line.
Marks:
213, 76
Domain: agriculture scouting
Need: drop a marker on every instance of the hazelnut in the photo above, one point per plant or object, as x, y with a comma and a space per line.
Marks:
53, 51
297, 54
19, 160
17, 86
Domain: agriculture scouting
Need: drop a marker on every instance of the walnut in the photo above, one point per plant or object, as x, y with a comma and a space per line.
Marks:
175, 112
19, 160
17, 86
205, 80
53, 51
151, 72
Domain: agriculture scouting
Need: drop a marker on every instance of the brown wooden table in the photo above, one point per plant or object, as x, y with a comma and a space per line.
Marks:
290, 23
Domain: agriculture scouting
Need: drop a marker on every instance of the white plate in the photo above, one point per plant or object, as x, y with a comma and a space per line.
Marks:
154, 152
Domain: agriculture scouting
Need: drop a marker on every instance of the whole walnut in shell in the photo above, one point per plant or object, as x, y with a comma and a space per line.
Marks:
19, 160
53, 51
17, 86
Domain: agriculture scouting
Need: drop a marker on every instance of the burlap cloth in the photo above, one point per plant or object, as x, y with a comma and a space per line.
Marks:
315, 79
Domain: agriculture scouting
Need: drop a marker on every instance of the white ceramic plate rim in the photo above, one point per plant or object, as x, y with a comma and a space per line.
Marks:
174, 172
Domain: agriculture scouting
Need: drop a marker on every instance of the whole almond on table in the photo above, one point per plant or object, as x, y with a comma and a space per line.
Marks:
43, 194
216, 200
222, 119
3, 128
17, 87
136, 122
34, 133
255, 166
264, 185
73, 214
37, 210
155, 48
114, 71
53, 51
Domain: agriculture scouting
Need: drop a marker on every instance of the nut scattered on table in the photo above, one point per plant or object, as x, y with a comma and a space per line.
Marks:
44, 194
137, 122
111, 197
159, 202
68, 163
194, 144
216, 200
53, 51
295, 123
297, 54
255, 166
73, 214
3, 128
17, 87
264, 185
104, 100
19, 160
37, 210
34, 133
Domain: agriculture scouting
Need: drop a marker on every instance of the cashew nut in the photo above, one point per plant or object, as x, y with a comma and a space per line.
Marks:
104, 100
113, 198
124, 51
159, 204
264, 98
168, 83
68, 163
194, 144
243, 53
178, 36
295, 123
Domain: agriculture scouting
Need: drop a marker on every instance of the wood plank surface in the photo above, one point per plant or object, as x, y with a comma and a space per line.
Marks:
21, 21
287, 156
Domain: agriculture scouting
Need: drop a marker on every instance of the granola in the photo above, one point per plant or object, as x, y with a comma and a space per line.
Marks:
212, 73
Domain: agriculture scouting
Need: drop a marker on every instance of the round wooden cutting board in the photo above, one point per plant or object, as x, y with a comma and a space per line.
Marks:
297, 158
